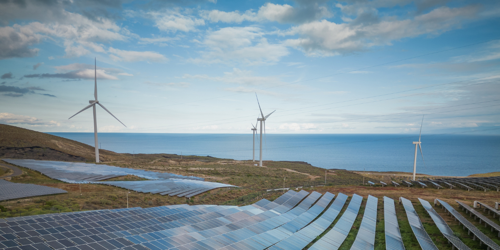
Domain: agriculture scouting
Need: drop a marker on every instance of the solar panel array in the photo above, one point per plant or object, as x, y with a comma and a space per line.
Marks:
471, 183
292, 221
158, 183
78, 172
470, 227
336, 236
307, 234
442, 226
416, 226
10, 190
393, 239
366, 234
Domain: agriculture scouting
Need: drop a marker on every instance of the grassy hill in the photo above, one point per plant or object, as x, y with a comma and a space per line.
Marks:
18, 142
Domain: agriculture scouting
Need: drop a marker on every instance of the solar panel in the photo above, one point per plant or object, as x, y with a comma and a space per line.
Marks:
443, 226
11, 190
336, 236
365, 238
416, 225
393, 239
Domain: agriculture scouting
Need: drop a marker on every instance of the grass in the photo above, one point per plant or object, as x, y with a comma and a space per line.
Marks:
380, 229
492, 174
3, 171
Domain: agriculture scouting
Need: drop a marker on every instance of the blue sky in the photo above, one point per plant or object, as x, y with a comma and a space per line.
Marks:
194, 66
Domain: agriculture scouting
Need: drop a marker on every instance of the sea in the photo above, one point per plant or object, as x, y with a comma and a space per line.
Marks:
444, 155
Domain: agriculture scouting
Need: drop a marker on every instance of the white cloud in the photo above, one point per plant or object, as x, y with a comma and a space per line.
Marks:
134, 56
9, 118
329, 38
242, 44
305, 11
125, 74
173, 20
298, 127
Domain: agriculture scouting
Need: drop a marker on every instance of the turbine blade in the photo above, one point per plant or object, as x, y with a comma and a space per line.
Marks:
259, 105
111, 114
95, 78
269, 114
90, 105
253, 126
420, 135
421, 153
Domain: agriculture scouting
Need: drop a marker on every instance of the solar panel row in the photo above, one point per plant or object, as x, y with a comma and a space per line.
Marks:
307, 234
159, 183
172, 187
78, 172
489, 209
366, 234
442, 226
336, 236
470, 227
416, 225
10, 190
393, 239
479, 216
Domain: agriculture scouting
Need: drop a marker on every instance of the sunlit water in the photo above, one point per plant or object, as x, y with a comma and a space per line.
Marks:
457, 155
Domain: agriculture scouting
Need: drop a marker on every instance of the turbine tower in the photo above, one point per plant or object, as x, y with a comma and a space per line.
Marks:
262, 121
418, 144
254, 130
93, 104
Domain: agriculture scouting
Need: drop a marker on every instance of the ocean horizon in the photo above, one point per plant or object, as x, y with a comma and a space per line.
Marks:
445, 155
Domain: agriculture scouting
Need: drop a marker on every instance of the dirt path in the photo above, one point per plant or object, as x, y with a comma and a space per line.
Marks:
312, 177
15, 171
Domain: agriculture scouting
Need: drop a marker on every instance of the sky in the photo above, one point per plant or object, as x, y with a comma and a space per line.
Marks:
194, 66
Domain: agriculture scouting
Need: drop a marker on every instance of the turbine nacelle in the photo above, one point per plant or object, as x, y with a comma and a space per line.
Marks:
93, 101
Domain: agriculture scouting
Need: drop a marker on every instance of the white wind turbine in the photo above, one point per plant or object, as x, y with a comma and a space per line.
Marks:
254, 130
418, 144
93, 104
262, 120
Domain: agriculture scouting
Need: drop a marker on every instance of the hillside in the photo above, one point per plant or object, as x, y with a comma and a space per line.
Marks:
18, 142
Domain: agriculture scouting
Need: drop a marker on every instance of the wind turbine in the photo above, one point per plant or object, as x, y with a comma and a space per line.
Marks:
93, 104
254, 130
418, 144
262, 119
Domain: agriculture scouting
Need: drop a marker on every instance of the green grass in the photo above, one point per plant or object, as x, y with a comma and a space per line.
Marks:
380, 230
